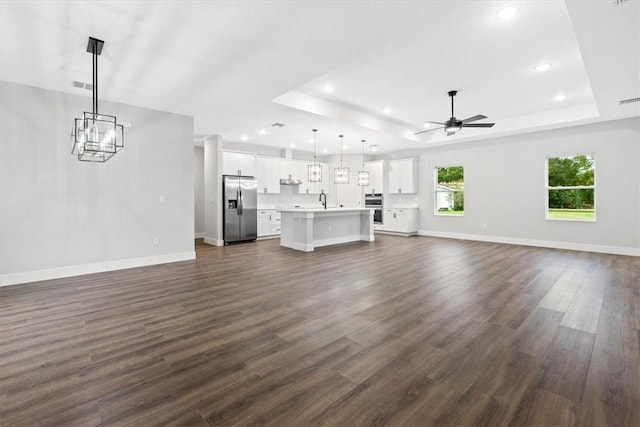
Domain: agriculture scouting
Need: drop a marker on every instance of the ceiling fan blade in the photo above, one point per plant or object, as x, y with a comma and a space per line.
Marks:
477, 125
428, 130
450, 133
474, 118
435, 123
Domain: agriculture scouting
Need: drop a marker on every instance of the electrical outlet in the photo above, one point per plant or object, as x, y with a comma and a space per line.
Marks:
161, 199
156, 241
484, 226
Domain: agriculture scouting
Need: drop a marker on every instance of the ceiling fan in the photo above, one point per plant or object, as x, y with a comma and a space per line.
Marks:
453, 125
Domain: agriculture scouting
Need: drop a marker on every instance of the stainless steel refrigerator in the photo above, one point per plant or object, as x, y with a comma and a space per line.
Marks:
240, 208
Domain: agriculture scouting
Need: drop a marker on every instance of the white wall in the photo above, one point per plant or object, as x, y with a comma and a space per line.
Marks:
62, 217
198, 195
505, 188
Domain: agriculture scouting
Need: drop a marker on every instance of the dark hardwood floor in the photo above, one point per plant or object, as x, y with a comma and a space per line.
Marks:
403, 331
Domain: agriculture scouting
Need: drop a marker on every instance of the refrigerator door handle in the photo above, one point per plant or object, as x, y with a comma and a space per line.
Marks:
240, 205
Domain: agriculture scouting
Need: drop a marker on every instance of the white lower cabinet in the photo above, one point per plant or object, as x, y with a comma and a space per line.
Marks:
268, 222
274, 220
400, 220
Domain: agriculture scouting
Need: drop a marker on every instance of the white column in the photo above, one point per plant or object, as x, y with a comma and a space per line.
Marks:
213, 191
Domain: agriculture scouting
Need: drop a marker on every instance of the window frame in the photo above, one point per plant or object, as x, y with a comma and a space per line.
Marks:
565, 187
452, 191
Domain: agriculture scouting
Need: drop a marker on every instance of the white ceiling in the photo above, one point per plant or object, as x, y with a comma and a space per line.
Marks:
239, 66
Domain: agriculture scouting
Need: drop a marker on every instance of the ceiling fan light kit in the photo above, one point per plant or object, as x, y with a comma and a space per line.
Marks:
453, 125
96, 137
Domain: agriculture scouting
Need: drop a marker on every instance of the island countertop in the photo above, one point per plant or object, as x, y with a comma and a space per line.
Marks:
328, 210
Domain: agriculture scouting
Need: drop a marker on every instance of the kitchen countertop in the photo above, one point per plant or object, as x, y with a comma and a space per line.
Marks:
306, 210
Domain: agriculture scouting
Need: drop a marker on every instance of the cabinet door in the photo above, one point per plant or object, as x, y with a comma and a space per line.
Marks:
288, 167
403, 176
229, 163
234, 163
376, 176
389, 220
406, 220
268, 174
247, 164
264, 225
393, 177
409, 176
402, 220
306, 187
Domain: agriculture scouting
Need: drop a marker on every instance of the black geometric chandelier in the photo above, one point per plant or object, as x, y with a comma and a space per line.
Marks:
96, 137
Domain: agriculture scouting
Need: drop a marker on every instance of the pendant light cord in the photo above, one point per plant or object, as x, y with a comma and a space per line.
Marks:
363, 141
314, 147
95, 83
341, 150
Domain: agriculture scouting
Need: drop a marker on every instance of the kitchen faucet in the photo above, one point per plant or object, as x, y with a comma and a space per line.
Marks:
323, 199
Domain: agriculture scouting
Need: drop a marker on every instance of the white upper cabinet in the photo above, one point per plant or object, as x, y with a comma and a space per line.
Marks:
234, 162
268, 174
376, 176
403, 176
289, 167
306, 187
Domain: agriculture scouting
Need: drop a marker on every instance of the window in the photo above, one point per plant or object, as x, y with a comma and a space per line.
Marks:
450, 191
571, 188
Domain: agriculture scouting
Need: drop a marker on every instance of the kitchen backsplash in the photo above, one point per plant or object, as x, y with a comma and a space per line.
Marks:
288, 197
400, 200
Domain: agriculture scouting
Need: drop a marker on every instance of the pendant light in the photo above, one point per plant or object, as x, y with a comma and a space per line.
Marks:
341, 174
363, 175
314, 170
96, 137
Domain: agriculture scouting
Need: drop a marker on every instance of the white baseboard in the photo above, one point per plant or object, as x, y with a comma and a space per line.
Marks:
99, 267
396, 233
586, 247
214, 242
269, 236
199, 236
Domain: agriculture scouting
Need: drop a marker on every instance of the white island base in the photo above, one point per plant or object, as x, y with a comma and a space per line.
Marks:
307, 229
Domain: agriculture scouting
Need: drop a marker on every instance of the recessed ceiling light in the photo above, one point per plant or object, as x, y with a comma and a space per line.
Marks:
311, 141
244, 137
426, 125
560, 97
374, 148
327, 88
387, 110
262, 131
542, 67
507, 13
324, 150
292, 145
344, 147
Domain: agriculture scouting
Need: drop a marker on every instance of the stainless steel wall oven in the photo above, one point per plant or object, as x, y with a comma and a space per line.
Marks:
375, 201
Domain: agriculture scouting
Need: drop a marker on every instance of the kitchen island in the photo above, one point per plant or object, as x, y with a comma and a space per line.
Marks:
307, 229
